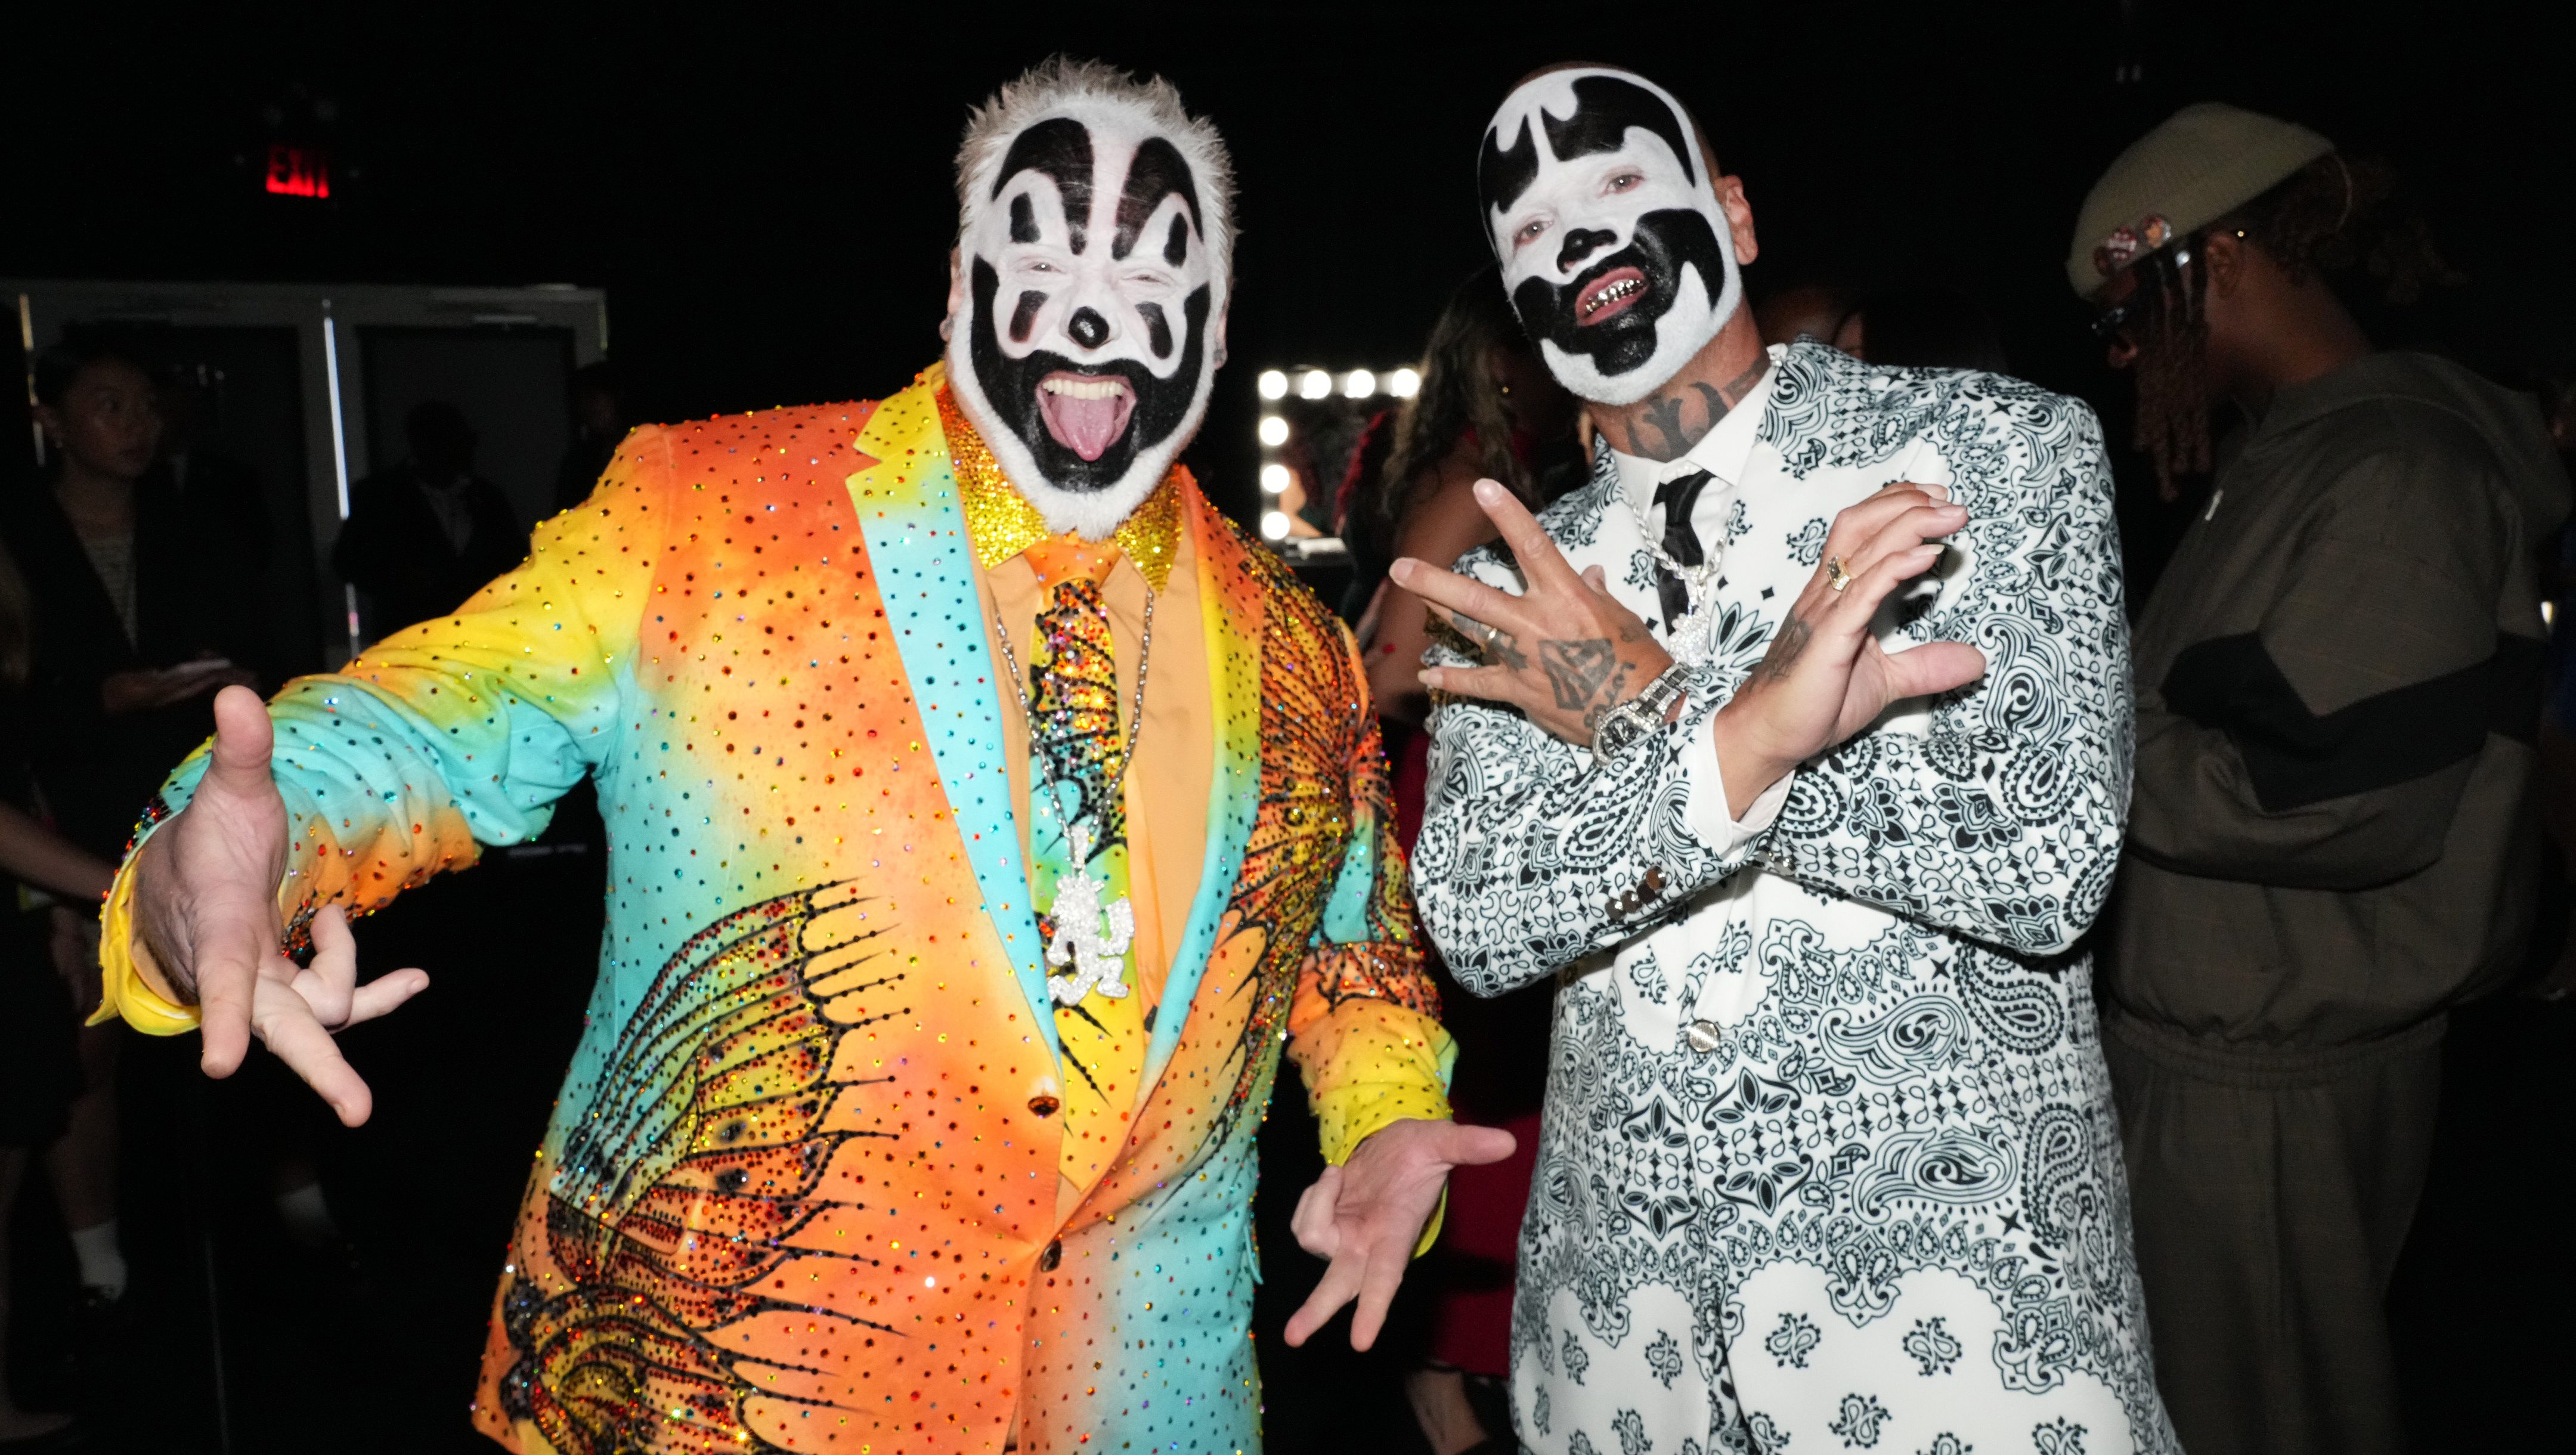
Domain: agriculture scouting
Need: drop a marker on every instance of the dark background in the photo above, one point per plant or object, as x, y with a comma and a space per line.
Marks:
766, 196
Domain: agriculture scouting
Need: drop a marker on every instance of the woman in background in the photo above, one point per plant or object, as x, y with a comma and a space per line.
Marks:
1487, 409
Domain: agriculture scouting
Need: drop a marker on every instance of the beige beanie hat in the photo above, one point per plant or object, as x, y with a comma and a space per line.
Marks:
2202, 162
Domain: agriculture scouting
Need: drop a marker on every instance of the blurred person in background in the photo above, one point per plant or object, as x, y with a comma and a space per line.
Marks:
428, 533
48, 974
125, 650
599, 421
2333, 838
1486, 408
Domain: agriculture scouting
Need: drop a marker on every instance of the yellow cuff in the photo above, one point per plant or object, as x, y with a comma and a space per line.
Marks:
124, 991
1388, 1064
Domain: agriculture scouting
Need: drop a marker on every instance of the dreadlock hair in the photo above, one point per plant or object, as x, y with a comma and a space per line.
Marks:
1457, 396
2340, 218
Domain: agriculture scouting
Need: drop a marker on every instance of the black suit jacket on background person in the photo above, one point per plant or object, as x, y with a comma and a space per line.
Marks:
394, 548
199, 568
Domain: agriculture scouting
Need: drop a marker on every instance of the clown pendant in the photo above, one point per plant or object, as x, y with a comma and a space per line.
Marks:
1091, 937
1693, 639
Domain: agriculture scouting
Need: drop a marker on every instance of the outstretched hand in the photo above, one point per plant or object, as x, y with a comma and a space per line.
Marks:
1825, 676
1367, 1214
206, 907
1564, 651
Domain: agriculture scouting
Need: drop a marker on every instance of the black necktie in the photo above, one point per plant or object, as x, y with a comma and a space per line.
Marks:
1678, 496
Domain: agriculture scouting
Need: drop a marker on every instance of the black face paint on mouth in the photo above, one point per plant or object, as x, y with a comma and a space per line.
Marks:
1010, 388
1158, 329
1025, 315
1665, 243
1157, 172
1604, 108
1060, 147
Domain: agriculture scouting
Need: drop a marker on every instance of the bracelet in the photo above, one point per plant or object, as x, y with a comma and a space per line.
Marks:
1634, 720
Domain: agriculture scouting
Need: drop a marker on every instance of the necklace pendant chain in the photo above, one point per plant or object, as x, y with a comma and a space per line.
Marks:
1088, 951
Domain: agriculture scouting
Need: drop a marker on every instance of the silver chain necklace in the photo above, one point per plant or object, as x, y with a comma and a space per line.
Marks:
1693, 639
1092, 932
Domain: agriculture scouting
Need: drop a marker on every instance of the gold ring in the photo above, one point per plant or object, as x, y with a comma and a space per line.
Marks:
1835, 575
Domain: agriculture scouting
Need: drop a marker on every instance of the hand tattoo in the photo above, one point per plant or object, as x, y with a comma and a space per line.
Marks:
1577, 669
1492, 641
1610, 697
1777, 663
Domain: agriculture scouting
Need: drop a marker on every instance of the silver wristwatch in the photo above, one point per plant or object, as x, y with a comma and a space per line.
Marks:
1623, 726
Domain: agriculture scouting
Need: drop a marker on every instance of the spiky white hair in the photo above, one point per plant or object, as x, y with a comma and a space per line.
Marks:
1063, 83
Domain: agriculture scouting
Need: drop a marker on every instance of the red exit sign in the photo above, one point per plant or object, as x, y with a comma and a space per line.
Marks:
299, 171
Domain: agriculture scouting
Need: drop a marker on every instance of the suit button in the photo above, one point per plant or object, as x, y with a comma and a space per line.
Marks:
1053, 1255
1042, 1106
1703, 1036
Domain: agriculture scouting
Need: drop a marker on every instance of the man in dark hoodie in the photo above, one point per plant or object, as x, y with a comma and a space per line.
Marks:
2333, 838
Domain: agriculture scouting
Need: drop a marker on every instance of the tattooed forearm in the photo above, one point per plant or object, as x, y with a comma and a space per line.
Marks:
1777, 663
1577, 670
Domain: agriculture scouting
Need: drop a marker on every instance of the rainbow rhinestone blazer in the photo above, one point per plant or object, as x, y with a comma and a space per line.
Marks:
801, 1191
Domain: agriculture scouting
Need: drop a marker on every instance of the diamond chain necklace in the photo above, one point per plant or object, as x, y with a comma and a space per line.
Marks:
1092, 932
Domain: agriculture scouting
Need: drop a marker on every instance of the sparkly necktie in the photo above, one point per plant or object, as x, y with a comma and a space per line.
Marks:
1678, 495
1078, 844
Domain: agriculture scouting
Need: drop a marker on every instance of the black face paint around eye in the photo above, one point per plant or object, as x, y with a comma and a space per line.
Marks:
1176, 247
1158, 329
1024, 220
1015, 388
1593, 315
1504, 173
1025, 315
1060, 147
1158, 171
1604, 108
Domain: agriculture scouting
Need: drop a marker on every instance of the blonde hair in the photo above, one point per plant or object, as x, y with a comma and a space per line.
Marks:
1062, 83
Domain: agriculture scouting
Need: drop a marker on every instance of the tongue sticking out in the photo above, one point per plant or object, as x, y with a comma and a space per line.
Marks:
1086, 426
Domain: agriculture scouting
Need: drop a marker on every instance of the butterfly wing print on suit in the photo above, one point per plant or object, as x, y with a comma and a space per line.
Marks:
698, 1161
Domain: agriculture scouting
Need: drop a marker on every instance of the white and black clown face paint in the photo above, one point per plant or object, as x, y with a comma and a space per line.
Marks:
1606, 221
1086, 323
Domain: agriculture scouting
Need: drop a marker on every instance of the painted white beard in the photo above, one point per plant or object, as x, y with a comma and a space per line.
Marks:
1680, 334
1091, 514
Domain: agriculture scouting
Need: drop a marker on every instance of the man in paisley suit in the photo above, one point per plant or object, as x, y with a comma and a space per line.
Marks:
1796, 748
917, 1107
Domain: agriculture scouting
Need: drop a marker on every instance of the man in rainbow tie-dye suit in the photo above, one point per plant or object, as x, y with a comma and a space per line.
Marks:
929, 1041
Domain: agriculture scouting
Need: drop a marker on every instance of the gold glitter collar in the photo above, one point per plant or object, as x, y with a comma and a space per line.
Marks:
1003, 523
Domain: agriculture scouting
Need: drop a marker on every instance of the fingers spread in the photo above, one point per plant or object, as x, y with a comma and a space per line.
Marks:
1378, 1283
1312, 1223
332, 980
1933, 667
384, 993
287, 1027
1466, 1146
1540, 559
1490, 684
1849, 613
1458, 593
1340, 1282
226, 970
